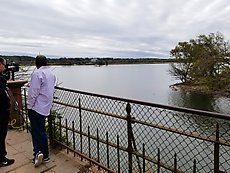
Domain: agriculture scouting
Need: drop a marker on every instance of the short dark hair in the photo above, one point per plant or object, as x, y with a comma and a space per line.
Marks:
40, 60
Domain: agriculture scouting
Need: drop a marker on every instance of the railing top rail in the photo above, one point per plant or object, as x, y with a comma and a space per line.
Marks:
174, 108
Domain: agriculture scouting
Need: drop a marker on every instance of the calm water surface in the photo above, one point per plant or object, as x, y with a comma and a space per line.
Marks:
148, 83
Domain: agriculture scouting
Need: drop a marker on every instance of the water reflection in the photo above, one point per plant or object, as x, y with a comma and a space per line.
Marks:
192, 100
222, 104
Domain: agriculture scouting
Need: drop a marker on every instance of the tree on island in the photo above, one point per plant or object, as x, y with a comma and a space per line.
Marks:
204, 61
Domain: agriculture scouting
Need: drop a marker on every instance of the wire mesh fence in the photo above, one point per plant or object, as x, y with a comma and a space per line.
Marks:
122, 135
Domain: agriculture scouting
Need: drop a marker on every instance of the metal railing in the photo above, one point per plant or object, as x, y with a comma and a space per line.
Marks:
123, 135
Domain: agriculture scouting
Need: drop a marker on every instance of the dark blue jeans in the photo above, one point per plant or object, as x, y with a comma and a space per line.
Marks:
38, 132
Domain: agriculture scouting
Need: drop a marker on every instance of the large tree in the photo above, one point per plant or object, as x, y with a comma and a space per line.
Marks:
205, 59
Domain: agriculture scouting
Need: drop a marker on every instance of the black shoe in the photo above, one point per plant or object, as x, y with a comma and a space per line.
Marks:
46, 160
6, 162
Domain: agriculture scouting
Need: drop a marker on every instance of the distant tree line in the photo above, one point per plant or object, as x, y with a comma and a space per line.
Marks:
21, 60
28, 60
203, 61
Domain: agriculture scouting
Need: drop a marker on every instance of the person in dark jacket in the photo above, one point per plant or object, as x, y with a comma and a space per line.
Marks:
4, 116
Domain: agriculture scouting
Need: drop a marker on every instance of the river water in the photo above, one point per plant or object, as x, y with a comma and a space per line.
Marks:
144, 82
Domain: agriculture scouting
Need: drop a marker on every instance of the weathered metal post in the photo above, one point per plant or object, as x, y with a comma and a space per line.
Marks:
216, 150
80, 117
129, 128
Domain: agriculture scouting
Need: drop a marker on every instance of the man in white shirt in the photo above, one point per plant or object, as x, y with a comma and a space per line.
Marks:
39, 103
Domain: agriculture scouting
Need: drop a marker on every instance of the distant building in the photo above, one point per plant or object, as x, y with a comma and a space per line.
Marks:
94, 60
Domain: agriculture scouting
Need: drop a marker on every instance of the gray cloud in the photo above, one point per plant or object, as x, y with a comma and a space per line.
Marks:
113, 28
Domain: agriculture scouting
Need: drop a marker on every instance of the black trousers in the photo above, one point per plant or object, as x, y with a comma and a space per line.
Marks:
4, 119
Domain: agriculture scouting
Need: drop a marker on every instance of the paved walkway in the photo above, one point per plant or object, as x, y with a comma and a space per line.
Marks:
19, 147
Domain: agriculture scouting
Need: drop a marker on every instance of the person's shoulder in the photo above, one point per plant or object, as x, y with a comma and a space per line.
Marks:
35, 72
45, 70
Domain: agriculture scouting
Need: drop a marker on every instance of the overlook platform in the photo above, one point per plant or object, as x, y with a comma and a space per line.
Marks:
19, 147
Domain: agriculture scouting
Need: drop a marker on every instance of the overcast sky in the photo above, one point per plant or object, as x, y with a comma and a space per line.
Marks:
107, 28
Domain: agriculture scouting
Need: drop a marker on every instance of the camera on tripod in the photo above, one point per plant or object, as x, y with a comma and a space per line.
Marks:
9, 72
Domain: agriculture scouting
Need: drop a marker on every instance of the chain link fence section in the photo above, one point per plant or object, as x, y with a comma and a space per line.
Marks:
155, 138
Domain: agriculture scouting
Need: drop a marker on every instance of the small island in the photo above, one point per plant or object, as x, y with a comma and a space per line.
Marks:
203, 64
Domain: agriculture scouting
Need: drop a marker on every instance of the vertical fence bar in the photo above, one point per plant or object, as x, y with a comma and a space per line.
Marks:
80, 117
135, 148
175, 163
74, 143
66, 133
129, 130
89, 148
194, 166
158, 160
60, 129
216, 150
143, 158
98, 149
118, 155
107, 148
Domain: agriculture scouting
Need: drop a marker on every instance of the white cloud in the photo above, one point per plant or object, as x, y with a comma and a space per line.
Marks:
124, 28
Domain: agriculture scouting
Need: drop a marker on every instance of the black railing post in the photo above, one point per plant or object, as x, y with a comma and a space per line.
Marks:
60, 129
67, 135
118, 155
175, 163
98, 149
89, 146
158, 160
74, 141
135, 149
194, 166
129, 129
143, 151
216, 150
80, 117
107, 148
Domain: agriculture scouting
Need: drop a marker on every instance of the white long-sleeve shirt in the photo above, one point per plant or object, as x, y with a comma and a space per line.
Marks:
41, 90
